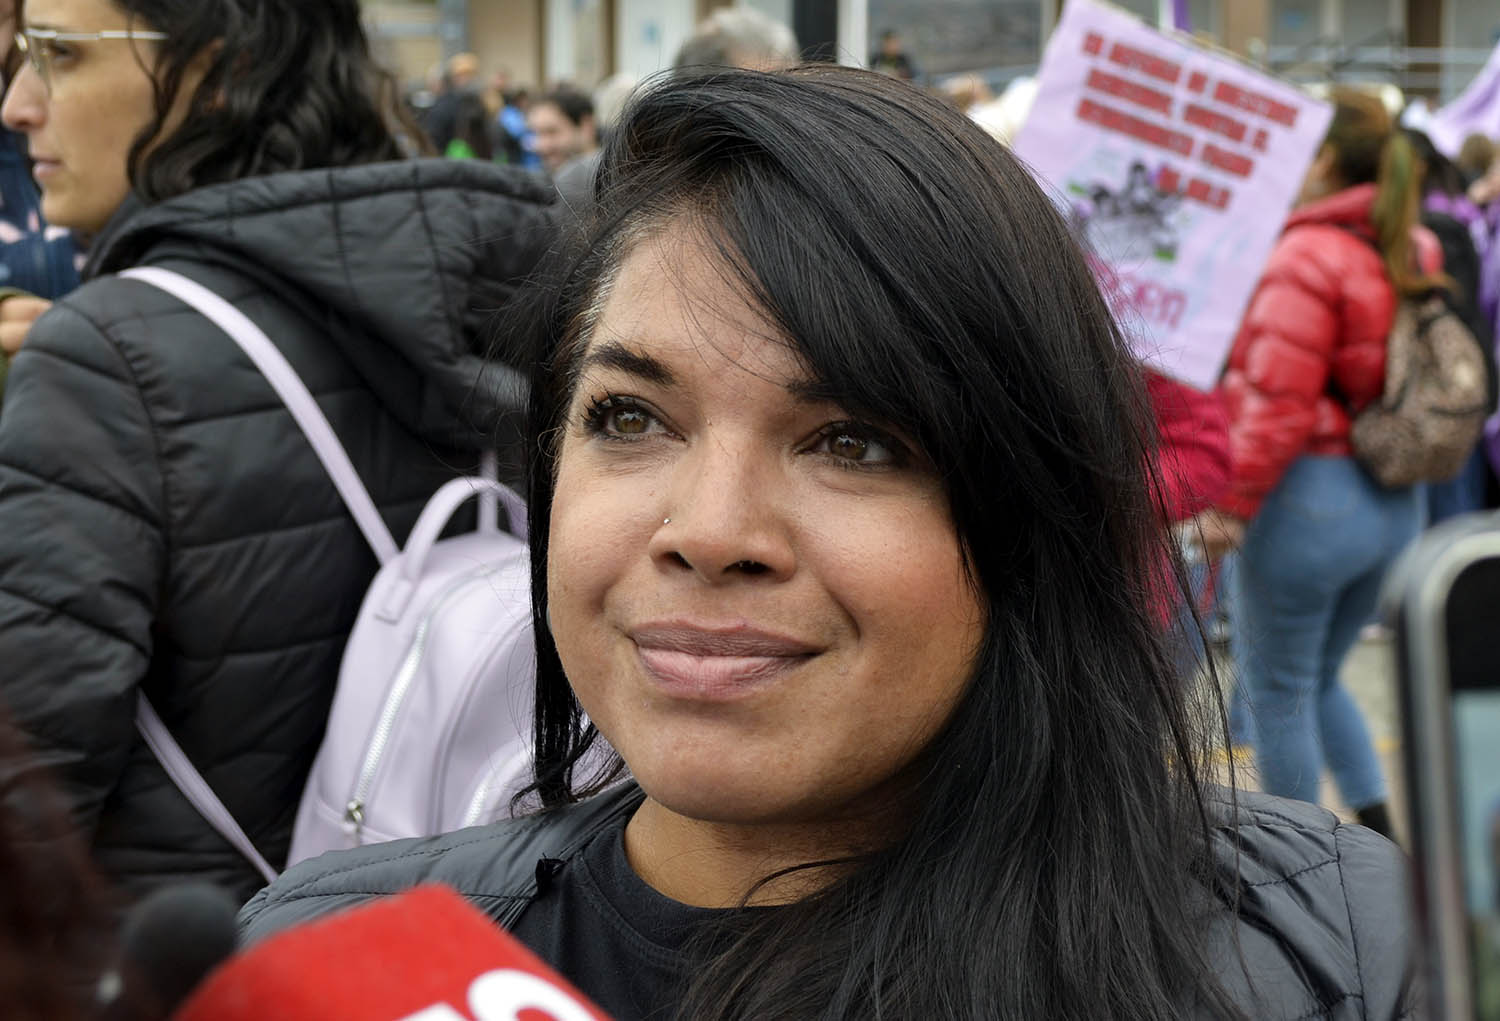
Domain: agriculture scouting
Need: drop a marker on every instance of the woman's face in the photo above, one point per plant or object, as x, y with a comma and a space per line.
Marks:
762, 605
101, 98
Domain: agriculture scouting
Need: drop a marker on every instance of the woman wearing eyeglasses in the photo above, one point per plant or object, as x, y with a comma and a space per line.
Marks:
164, 526
36, 264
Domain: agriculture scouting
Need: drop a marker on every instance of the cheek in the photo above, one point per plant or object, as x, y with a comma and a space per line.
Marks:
899, 578
102, 137
899, 568
597, 528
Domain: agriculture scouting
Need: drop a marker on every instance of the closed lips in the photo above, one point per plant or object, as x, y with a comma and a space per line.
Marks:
709, 662
737, 641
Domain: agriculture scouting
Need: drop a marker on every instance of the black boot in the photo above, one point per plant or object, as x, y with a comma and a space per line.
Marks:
1377, 818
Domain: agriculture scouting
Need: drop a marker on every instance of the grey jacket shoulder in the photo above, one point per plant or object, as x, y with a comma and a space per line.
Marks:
493, 866
1323, 922
1321, 928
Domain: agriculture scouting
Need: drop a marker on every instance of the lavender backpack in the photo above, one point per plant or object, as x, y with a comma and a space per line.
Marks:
431, 720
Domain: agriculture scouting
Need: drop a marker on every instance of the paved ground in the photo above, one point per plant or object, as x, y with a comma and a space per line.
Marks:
1369, 673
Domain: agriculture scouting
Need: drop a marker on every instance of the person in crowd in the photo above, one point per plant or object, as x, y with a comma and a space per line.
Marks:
892, 59
1475, 157
37, 263
459, 82
513, 141
738, 37
1485, 190
1461, 230
1193, 446
729, 37
610, 97
562, 127
471, 131
853, 698
1321, 532
966, 91
1193, 467
565, 138
574, 180
165, 529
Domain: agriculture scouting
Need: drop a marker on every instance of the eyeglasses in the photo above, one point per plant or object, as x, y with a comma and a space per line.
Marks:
39, 46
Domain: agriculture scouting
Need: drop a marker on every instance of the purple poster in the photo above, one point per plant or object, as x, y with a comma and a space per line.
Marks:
1178, 165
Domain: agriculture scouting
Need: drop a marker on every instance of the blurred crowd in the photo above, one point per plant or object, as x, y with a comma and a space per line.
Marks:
557, 131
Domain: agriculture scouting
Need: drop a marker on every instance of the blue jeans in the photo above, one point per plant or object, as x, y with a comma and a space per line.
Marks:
1241, 716
1460, 495
1306, 581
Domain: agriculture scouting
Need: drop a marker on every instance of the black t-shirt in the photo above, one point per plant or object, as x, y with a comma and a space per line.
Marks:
615, 938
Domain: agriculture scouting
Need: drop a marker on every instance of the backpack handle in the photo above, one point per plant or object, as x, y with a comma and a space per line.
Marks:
435, 517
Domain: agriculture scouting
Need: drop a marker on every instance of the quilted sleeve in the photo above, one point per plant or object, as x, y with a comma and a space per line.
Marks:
82, 553
1279, 367
1373, 874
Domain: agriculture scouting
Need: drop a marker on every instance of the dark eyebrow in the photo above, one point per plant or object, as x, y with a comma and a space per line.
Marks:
812, 391
613, 355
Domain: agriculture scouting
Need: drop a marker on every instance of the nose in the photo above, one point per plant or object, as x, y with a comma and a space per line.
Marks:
726, 517
25, 106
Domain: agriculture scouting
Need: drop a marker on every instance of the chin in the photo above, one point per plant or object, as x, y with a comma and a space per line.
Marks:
716, 793
59, 215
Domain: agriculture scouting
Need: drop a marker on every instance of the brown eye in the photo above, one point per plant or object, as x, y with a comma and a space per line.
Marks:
852, 444
629, 421
620, 418
853, 448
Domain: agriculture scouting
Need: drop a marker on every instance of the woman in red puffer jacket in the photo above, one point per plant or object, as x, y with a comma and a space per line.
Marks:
1319, 532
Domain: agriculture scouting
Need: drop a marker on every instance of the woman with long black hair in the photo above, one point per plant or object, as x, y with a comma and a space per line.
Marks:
845, 567
164, 527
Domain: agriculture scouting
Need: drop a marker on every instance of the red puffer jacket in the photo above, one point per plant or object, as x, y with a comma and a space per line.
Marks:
1311, 348
1193, 450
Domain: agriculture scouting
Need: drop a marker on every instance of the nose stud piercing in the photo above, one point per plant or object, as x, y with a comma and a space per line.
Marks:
666, 521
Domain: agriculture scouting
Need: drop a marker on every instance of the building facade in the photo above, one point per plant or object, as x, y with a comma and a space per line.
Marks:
1432, 47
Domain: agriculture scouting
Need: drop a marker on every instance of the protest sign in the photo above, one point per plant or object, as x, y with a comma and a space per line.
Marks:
1178, 165
1475, 112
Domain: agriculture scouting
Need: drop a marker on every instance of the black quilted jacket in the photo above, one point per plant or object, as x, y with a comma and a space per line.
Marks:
1321, 929
164, 526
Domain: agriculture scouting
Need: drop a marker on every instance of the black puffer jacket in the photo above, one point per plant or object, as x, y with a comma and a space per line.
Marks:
1321, 931
164, 525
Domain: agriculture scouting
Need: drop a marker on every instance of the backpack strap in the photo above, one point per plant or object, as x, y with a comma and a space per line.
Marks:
304, 409
489, 505
293, 393
193, 787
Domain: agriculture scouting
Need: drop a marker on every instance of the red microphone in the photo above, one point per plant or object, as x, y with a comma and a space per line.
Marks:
425, 955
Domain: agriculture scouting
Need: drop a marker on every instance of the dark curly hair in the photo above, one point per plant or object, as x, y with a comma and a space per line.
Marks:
289, 85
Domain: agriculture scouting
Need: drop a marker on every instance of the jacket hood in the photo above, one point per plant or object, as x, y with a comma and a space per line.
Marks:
405, 265
1349, 208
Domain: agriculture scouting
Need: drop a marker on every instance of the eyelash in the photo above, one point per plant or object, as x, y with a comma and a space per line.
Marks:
596, 415
599, 409
898, 458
